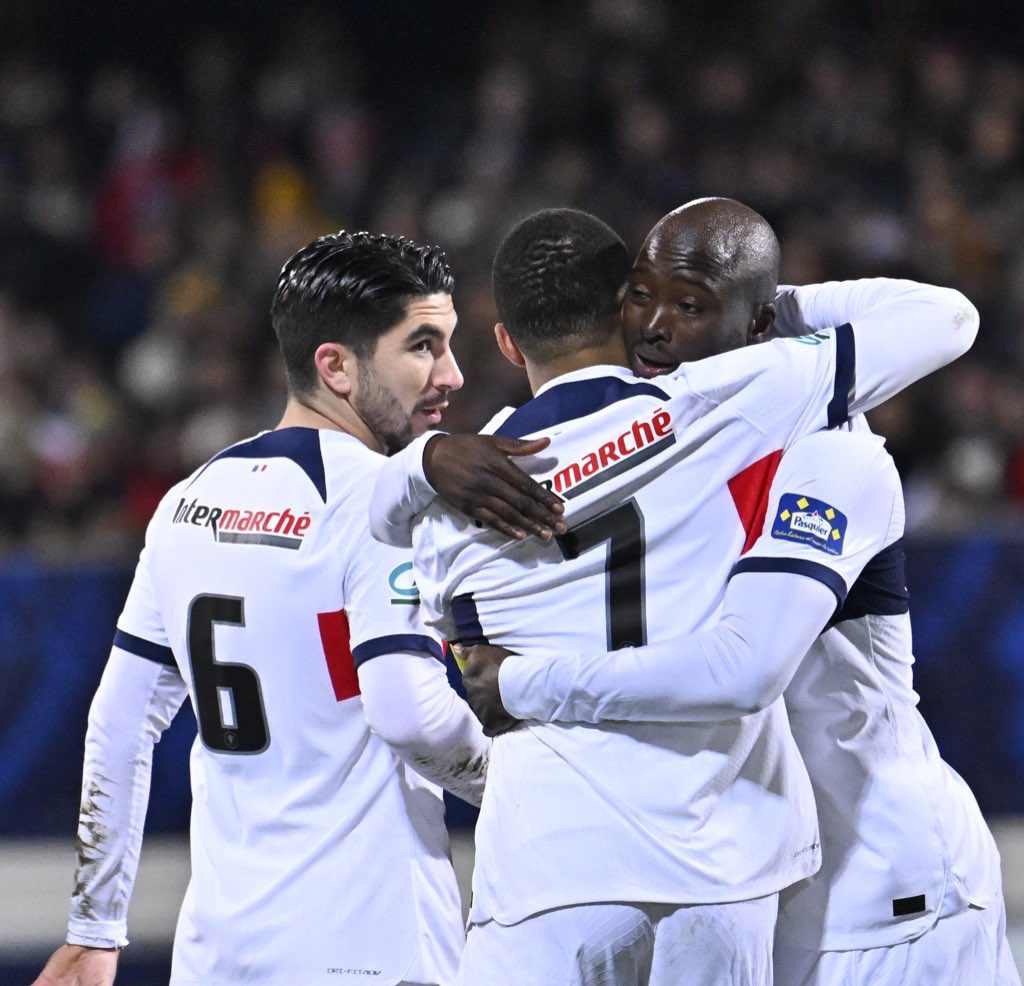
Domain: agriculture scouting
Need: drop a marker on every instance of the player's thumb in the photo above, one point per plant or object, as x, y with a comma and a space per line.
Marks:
523, 446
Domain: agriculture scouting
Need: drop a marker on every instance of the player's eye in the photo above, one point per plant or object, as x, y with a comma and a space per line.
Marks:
638, 295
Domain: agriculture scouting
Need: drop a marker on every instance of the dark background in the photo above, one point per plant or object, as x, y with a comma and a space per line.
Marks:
159, 163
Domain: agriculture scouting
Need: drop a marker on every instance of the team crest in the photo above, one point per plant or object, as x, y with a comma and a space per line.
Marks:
810, 521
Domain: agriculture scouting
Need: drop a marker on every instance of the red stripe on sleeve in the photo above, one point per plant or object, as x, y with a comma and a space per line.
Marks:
340, 666
749, 490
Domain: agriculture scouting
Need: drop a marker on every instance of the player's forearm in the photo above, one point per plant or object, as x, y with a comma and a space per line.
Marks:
903, 330
409, 704
135, 701
400, 492
739, 666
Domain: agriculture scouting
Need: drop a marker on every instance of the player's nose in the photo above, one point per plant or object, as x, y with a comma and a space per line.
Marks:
657, 326
447, 376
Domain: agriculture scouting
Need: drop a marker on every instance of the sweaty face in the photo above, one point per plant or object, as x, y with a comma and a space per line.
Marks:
403, 387
680, 305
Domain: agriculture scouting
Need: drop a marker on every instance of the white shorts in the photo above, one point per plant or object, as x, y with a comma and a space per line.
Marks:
627, 945
965, 949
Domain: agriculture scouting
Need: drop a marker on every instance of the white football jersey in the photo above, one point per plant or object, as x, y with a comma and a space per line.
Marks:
317, 855
903, 840
665, 482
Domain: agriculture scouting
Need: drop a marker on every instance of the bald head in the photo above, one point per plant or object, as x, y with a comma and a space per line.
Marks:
703, 283
725, 236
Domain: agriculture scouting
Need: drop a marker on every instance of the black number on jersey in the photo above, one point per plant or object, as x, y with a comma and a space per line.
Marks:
623, 528
229, 703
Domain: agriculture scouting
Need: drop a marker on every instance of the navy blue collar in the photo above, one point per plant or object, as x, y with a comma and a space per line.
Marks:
301, 445
571, 400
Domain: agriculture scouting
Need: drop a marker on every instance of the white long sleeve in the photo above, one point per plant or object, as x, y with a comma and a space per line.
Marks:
739, 666
780, 597
401, 491
135, 702
409, 704
904, 330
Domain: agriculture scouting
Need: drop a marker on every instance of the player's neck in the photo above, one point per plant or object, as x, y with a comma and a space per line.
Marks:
332, 416
611, 353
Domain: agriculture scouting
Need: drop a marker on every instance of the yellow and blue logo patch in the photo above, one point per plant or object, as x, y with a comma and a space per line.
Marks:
810, 521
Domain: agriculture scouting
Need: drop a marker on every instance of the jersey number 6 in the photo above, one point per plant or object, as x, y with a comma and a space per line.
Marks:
623, 528
229, 702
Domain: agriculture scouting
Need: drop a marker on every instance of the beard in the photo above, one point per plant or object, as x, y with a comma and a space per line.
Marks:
382, 412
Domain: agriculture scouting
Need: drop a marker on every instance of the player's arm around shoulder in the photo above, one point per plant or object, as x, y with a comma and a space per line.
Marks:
831, 509
474, 474
903, 330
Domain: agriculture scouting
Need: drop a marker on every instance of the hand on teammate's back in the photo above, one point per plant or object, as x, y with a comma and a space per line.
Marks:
480, 678
78, 965
475, 474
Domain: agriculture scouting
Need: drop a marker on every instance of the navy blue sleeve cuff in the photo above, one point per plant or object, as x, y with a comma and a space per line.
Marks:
796, 566
846, 366
394, 642
144, 648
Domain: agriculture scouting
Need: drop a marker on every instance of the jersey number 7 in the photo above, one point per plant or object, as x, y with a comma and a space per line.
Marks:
623, 528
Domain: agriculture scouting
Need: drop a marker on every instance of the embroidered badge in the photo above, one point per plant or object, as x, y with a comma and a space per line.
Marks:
810, 521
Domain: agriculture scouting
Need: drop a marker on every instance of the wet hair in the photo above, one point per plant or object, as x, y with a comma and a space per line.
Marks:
558, 278
349, 288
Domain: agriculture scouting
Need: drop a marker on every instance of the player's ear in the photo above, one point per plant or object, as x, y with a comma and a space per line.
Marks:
336, 366
761, 324
507, 345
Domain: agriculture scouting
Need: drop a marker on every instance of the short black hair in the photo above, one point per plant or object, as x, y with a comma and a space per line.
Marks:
349, 288
557, 278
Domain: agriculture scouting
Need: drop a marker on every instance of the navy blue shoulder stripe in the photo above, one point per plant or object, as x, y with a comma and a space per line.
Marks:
881, 589
393, 642
569, 401
301, 445
797, 566
846, 367
144, 648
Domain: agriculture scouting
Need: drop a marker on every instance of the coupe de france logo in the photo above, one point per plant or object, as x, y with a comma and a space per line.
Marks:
403, 585
810, 521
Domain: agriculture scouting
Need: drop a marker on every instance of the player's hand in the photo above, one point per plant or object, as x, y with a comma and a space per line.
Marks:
474, 474
480, 678
79, 965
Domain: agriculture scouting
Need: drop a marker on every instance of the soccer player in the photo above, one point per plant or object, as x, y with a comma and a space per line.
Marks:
326, 721
646, 852
909, 889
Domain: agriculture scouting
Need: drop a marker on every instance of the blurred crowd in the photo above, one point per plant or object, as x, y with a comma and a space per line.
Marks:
147, 204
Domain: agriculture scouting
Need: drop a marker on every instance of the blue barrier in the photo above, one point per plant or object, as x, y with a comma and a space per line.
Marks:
967, 603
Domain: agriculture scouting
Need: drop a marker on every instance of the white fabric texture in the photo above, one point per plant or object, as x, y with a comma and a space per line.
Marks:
115, 792
410, 705
402, 492
626, 945
968, 947
318, 856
